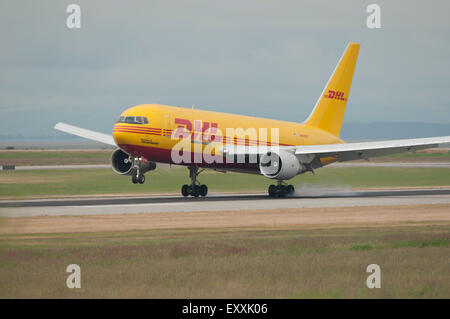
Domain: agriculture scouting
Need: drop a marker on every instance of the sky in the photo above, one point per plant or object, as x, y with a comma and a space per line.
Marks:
253, 57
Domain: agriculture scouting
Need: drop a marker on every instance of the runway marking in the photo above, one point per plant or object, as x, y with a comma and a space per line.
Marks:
124, 205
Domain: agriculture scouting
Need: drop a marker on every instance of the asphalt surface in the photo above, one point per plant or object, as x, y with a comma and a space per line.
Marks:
348, 164
309, 198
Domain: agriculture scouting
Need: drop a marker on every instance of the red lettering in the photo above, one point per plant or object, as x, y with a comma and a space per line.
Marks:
337, 95
184, 129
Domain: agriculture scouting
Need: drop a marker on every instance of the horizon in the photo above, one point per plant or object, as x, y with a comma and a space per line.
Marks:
351, 132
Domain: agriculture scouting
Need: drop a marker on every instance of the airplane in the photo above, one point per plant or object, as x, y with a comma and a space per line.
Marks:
151, 133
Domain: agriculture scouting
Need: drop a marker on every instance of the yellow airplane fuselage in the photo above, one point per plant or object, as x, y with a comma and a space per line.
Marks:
154, 131
156, 139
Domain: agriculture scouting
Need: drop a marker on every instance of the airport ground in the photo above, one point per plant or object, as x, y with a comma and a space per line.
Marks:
314, 251
102, 156
240, 262
21, 184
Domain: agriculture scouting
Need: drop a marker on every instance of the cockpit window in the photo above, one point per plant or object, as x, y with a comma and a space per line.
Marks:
133, 120
130, 119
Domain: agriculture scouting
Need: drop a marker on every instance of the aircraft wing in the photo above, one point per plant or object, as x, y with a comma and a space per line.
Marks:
366, 150
88, 134
344, 152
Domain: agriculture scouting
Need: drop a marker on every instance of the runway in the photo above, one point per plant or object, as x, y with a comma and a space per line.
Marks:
349, 164
309, 198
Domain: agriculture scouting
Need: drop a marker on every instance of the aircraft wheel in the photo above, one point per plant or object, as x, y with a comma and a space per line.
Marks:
185, 190
282, 191
272, 191
195, 191
134, 179
141, 179
291, 190
203, 190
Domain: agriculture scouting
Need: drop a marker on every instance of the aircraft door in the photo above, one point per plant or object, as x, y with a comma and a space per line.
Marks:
167, 129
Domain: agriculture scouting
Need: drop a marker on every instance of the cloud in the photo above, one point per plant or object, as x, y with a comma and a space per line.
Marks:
256, 57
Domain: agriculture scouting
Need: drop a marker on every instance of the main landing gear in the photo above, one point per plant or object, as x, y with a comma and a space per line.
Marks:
195, 189
281, 190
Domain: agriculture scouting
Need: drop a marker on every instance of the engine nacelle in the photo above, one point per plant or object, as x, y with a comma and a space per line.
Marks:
124, 164
282, 165
121, 162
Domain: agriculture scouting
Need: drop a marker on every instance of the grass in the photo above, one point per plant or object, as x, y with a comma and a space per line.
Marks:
64, 157
361, 247
229, 263
104, 154
421, 154
47, 183
50, 157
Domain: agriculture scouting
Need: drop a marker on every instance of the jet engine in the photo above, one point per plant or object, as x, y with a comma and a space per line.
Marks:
124, 164
281, 165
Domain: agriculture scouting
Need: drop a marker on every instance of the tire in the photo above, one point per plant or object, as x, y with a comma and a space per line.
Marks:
203, 190
195, 191
282, 192
272, 191
185, 190
134, 179
141, 179
291, 190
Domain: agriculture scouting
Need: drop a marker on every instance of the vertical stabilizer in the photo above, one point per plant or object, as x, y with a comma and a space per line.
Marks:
328, 113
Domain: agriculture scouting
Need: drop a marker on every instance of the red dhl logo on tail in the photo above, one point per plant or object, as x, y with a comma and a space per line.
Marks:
337, 95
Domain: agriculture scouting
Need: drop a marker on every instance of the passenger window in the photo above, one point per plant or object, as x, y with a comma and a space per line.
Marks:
145, 120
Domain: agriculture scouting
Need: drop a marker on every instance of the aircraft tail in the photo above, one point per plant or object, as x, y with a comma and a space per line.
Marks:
328, 112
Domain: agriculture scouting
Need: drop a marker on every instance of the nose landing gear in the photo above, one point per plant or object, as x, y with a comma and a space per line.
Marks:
138, 178
140, 165
195, 189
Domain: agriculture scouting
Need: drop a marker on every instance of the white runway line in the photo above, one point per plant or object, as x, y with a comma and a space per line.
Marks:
128, 205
